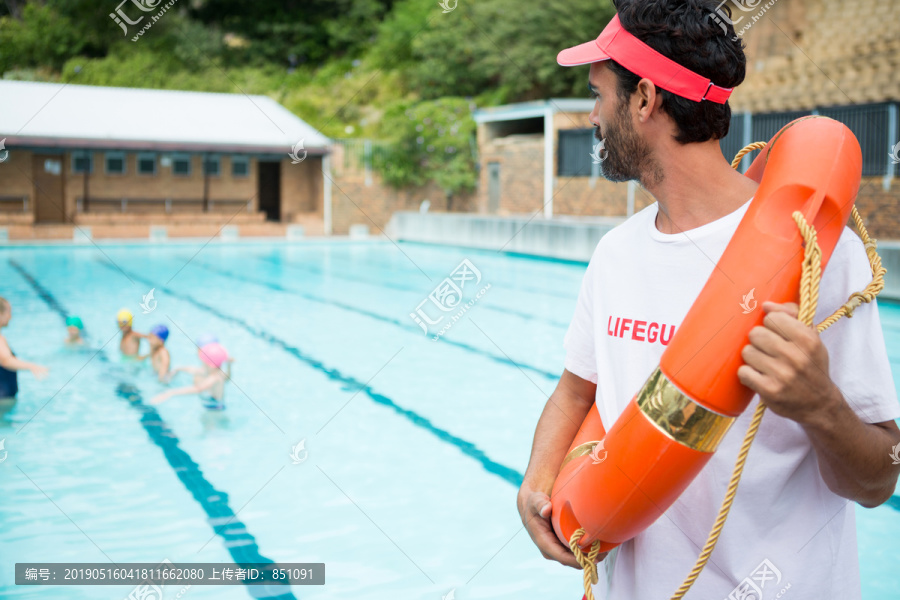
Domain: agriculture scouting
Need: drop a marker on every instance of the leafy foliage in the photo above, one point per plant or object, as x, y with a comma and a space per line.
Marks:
304, 31
501, 50
430, 141
392, 70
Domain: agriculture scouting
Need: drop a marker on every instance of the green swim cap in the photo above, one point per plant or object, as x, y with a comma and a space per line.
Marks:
74, 322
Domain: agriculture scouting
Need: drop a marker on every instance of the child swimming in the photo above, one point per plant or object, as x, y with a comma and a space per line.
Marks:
159, 354
9, 364
75, 327
131, 340
209, 380
210, 338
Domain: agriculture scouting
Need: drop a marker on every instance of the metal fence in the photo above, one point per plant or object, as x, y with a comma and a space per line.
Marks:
360, 153
874, 125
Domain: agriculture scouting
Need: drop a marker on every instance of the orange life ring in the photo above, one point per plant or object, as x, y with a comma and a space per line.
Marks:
616, 484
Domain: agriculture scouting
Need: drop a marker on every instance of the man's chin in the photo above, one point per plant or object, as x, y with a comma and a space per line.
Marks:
614, 176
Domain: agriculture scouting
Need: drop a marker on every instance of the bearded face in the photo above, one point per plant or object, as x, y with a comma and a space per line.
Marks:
628, 156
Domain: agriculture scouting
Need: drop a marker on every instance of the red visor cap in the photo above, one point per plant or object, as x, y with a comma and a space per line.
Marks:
617, 44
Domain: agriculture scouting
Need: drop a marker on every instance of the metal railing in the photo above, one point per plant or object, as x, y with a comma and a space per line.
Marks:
874, 125
165, 205
359, 155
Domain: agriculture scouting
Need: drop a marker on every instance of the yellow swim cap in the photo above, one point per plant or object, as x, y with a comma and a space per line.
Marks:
125, 316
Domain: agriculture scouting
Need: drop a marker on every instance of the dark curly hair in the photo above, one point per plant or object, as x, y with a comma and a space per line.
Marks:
685, 31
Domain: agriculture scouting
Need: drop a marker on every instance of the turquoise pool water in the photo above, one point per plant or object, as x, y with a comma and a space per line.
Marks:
404, 486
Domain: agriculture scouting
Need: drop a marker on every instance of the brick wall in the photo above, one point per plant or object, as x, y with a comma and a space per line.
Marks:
15, 180
880, 208
301, 189
807, 53
366, 200
301, 196
163, 184
521, 162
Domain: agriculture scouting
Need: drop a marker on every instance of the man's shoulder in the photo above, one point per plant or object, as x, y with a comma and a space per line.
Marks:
623, 235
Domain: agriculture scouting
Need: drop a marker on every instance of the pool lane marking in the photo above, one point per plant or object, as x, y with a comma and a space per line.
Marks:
395, 286
491, 256
468, 448
501, 309
309, 268
411, 327
538, 291
237, 540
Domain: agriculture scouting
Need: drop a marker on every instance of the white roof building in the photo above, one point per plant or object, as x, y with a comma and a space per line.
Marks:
65, 115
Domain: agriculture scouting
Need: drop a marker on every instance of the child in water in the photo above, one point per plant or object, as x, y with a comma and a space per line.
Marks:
209, 380
9, 364
74, 326
159, 354
131, 340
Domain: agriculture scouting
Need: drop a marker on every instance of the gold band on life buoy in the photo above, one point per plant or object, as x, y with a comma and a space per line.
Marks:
583, 450
679, 417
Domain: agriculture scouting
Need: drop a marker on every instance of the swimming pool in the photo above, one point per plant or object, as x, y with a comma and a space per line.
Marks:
397, 488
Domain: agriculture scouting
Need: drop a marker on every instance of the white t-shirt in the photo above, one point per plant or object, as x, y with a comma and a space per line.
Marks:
638, 287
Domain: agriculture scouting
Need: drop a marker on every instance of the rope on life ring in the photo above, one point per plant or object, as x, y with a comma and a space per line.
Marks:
809, 299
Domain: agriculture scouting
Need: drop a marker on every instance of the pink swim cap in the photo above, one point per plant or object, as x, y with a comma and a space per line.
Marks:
213, 355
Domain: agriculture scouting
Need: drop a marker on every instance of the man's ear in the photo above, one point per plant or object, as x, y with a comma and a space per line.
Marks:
647, 98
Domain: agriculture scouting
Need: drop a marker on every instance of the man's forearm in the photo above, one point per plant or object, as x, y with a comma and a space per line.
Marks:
854, 457
559, 422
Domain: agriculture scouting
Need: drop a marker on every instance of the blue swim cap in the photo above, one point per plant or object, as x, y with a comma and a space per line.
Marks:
206, 338
160, 331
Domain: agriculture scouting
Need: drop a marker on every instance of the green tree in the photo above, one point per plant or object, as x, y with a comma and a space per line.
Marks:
429, 141
310, 31
498, 50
